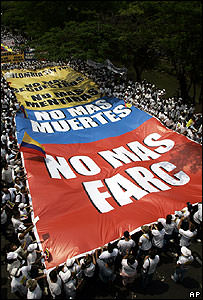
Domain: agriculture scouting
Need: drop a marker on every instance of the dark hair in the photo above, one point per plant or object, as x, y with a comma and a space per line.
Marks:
130, 260
126, 234
192, 227
53, 275
160, 226
168, 219
110, 248
152, 253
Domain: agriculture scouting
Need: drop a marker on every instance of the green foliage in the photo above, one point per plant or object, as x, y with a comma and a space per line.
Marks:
136, 34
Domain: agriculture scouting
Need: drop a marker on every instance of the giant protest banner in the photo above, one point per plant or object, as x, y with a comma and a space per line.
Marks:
108, 168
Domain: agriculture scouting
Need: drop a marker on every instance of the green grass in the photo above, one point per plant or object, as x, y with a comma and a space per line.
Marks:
168, 82
163, 81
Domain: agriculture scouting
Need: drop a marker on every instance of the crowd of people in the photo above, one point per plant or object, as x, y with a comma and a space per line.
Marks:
12, 40
118, 263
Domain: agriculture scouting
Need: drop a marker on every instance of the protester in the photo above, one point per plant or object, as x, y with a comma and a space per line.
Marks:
184, 260
149, 267
129, 269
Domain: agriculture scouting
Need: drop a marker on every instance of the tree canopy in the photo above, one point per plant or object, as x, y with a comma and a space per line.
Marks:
136, 34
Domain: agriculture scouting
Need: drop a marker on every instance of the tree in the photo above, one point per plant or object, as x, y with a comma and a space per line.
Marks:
180, 39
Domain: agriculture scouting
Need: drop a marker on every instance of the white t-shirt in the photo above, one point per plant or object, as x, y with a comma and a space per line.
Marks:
27, 238
3, 217
129, 269
198, 215
186, 236
36, 294
18, 284
31, 258
69, 286
75, 268
168, 227
185, 260
89, 271
7, 175
15, 264
124, 245
16, 223
145, 242
109, 257
158, 237
10, 196
151, 264
55, 288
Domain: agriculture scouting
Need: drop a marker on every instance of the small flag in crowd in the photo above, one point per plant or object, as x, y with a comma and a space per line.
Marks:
128, 104
46, 254
24, 111
29, 145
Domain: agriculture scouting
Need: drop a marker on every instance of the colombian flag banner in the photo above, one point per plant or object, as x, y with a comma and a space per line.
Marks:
108, 167
31, 146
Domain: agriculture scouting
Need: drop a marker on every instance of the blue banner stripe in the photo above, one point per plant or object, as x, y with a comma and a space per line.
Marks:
114, 126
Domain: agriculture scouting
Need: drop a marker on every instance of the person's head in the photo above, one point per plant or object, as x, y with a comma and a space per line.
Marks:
53, 275
110, 248
17, 180
21, 228
126, 234
145, 228
160, 226
23, 190
31, 284
131, 260
16, 214
5, 166
88, 260
168, 219
152, 253
192, 227
11, 257
5, 190
70, 262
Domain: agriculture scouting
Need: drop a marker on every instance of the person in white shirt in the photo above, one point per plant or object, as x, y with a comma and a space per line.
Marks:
69, 283
7, 175
16, 222
34, 290
125, 245
158, 233
54, 282
23, 235
169, 226
73, 265
186, 235
149, 267
9, 194
88, 266
197, 219
145, 243
129, 269
32, 254
13, 262
184, 260
109, 256
18, 283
